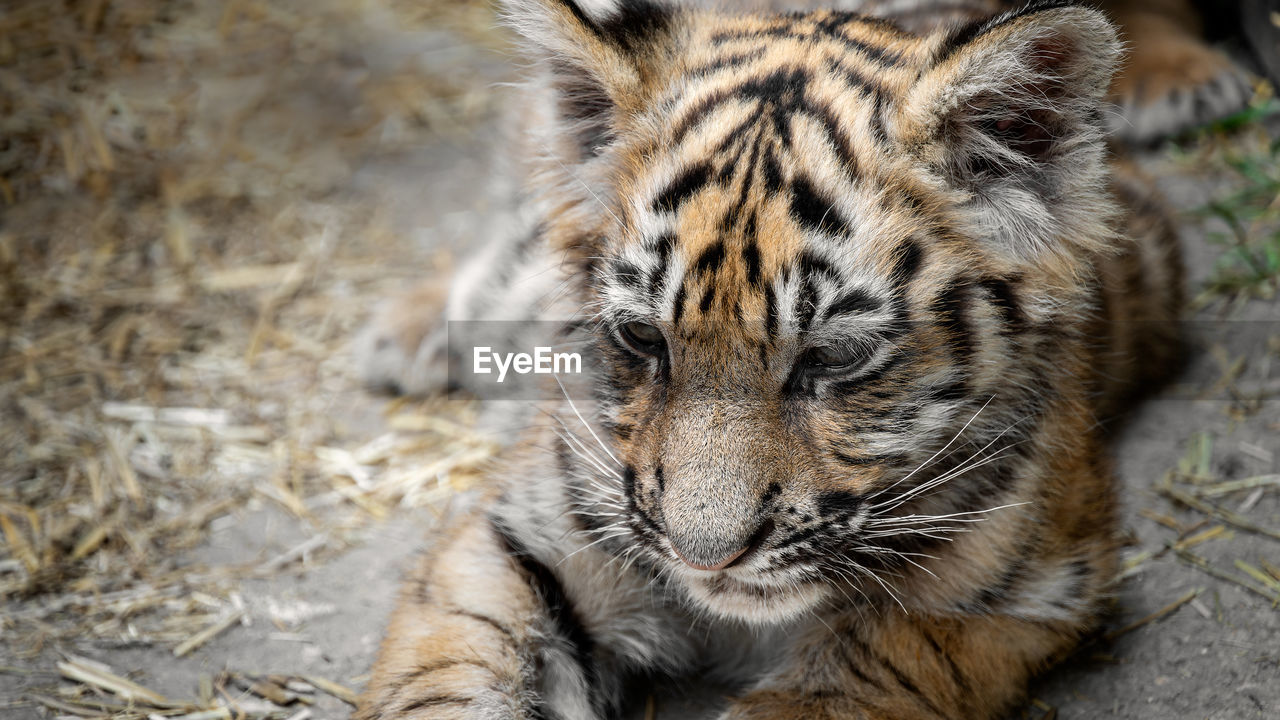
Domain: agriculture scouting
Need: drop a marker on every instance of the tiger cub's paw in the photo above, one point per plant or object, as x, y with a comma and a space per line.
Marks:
403, 347
1174, 85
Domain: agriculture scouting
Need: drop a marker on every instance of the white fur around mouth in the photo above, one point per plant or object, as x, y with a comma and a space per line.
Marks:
757, 603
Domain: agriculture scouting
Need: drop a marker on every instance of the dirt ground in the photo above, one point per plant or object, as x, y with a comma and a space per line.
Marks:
321, 577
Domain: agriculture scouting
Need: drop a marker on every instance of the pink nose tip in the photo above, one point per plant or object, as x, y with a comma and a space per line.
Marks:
729, 560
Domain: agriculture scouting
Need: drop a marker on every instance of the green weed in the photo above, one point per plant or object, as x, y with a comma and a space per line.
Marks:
1249, 266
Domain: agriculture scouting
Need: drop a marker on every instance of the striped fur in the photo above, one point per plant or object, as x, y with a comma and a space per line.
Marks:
856, 300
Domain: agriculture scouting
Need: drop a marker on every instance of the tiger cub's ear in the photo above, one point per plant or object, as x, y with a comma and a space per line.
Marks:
601, 57
1009, 111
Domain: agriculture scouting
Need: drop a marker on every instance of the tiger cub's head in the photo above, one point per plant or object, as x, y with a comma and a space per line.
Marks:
834, 265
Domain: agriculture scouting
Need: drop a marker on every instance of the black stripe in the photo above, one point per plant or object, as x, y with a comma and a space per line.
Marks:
834, 27
622, 431
663, 246
906, 263
827, 28
806, 302
780, 31
730, 150
999, 591
905, 543
585, 104
959, 37
560, 610
952, 390
770, 312
677, 306
855, 661
648, 529
431, 701
708, 297
873, 376
685, 186
770, 492
695, 114
797, 537
1018, 564
728, 61
965, 34
404, 680
812, 265
836, 132
581, 16
629, 481
1081, 573
506, 632
631, 24
957, 677
1005, 300
751, 256
749, 227
800, 382
853, 301
635, 22
780, 96
876, 122
914, 200
866, 461
814, 210
748, 176
772, 172
626, 273
905, 681
838, 503
855, 79
950, 308
710, 259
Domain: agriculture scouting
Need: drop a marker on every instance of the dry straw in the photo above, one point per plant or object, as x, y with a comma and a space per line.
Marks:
183, 260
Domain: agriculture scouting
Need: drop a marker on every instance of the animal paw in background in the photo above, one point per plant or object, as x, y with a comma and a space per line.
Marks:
403, 348
1171, 80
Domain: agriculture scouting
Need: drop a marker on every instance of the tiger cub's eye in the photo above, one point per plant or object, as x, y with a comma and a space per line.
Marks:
643, 338
832, 358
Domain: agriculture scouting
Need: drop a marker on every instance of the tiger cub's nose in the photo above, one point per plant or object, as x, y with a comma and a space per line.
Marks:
707, 560
722, 564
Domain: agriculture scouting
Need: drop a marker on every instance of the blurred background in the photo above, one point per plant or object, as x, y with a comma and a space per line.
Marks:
203, 514
199, 203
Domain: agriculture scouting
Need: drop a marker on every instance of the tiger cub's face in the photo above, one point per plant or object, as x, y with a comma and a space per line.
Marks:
825, 244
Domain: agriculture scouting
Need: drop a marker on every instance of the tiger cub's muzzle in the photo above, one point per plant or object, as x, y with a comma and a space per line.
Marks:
720, 483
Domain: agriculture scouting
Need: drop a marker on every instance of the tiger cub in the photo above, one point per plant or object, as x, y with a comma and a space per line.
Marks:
853, 301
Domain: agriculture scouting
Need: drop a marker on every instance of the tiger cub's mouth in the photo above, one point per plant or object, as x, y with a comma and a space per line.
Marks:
755, 583
755, 599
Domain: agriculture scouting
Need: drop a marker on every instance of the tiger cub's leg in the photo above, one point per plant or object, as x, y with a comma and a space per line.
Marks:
472, 638
404, 346
1171, 80
906, 667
